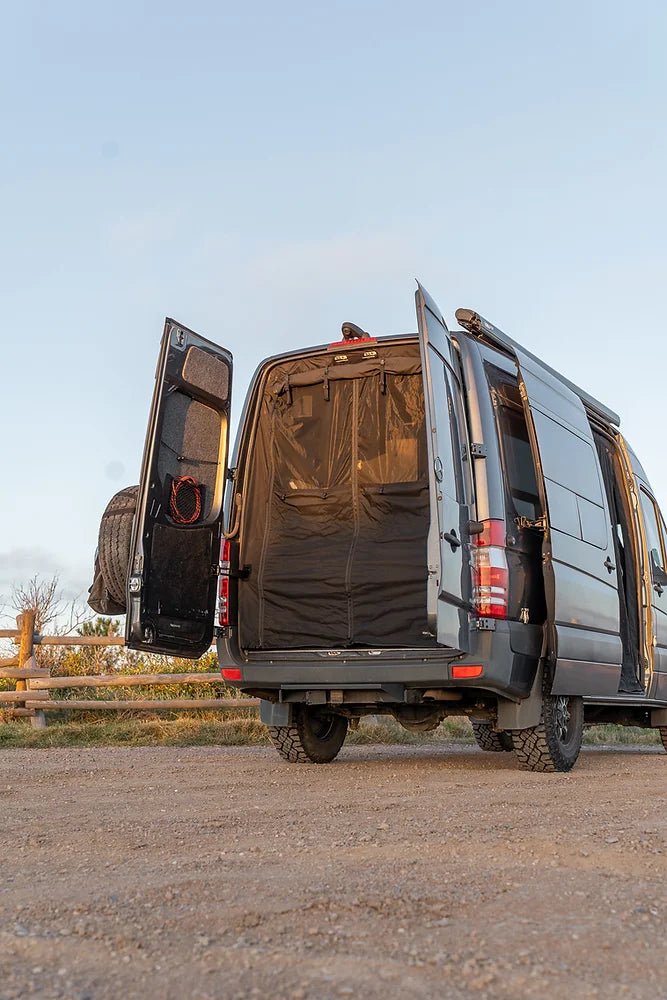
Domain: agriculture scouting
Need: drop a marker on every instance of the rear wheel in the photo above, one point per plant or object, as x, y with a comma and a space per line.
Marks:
663, 736
313, 738
554, 744
488, 739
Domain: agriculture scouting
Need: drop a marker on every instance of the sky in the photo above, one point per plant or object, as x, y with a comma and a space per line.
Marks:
263, 172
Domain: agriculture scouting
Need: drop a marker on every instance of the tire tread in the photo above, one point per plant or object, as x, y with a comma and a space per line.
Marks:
537, 748
489, 740
114, 542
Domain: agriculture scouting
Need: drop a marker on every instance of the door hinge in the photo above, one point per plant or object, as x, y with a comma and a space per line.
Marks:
478, 450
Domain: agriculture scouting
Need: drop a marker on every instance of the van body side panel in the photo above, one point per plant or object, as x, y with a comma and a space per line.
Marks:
578, 544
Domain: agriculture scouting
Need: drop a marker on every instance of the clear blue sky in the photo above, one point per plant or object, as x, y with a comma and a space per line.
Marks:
264, 171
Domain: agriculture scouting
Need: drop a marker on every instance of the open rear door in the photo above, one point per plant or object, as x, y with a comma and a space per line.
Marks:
175, 545
579, 554
448, 564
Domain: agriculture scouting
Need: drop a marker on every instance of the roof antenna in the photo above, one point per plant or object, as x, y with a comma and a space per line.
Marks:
353, 332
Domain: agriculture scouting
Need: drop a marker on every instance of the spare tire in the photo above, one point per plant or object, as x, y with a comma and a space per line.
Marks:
113, 553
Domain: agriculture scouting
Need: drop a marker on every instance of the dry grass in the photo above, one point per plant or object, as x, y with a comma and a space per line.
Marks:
245, 729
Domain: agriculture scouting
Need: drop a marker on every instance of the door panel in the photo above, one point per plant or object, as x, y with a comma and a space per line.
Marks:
580, 572
176, 536
449, 582
656, 559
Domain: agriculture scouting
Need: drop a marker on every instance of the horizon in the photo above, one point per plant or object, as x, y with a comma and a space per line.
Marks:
265, 175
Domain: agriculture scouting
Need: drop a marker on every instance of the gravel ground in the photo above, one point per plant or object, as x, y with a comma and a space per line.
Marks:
423, 872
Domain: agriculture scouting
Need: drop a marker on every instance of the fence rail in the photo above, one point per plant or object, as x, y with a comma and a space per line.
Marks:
31, 698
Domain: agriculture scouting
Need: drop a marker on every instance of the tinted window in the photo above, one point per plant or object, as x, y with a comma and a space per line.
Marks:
519, 466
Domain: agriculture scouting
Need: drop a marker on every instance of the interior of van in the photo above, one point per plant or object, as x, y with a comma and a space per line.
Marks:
336, 505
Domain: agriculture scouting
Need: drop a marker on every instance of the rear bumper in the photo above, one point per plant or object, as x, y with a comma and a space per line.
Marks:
508, 656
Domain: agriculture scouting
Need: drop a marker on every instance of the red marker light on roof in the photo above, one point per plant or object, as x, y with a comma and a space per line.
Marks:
351, 344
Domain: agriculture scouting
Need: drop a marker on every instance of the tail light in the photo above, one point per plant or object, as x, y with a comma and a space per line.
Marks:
222, 608
490, 572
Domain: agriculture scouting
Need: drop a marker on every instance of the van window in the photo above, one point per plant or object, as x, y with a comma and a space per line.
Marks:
518, 463
654, 539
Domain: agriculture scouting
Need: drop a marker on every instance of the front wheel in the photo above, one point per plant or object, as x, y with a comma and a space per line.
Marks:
663, 736
554, 744
313, 738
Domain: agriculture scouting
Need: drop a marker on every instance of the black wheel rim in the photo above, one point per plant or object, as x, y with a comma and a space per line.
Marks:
322, 726
564, 722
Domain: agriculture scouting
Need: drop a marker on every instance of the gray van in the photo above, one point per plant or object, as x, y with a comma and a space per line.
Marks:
425, 525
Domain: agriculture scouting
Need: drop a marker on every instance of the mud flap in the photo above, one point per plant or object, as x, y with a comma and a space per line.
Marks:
275, 713
522, 714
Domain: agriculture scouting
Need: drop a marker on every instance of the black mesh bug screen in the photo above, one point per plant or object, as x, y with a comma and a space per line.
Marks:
185, 500
338, 514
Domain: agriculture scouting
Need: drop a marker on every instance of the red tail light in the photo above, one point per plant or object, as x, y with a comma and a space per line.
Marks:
490, 572
222, 609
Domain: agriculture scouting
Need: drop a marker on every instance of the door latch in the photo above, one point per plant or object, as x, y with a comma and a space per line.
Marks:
452, 538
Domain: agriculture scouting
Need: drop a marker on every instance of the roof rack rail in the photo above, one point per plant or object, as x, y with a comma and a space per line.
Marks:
486, 331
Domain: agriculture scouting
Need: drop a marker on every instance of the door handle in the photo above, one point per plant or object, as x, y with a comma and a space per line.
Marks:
610, 565
451, 537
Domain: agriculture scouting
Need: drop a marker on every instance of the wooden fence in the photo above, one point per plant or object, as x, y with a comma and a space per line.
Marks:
31, 697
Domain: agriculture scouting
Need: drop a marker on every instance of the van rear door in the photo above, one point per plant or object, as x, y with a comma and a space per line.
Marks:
579, 556
449, 579
175, 546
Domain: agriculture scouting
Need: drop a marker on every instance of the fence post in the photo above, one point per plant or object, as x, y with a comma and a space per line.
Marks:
26, 624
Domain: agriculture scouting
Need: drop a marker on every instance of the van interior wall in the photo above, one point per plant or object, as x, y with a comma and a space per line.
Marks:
336, 509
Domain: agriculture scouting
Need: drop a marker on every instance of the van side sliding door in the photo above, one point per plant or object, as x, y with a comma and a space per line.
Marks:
579, 558
449, 579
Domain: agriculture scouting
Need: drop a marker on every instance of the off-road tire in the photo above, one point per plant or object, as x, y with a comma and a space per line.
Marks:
491, 741
313, 738
113, 544
663, 736
554, 744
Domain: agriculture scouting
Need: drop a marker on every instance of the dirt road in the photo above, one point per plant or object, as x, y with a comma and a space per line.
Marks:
396, 871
